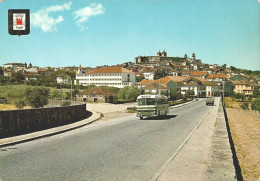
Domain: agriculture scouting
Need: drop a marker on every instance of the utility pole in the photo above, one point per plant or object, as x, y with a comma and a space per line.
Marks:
223, 96
71, 89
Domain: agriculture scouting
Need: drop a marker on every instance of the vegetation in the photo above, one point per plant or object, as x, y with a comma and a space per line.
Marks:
159, 73
37, 97
246, 72
175, 95
129, 93
255, 105
20, 104
66, 103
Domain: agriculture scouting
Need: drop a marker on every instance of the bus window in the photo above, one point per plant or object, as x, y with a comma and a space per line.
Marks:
141, 102
150, 101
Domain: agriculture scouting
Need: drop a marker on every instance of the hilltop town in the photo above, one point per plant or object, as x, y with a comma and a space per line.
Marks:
186, 75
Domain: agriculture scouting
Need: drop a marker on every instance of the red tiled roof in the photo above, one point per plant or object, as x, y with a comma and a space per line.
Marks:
215, 76
97, 91
153, 86
208, 83
198, 73
113, 69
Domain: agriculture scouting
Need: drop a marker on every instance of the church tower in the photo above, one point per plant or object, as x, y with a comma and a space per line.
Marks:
193, 56
164, 53
159, 53
80, 70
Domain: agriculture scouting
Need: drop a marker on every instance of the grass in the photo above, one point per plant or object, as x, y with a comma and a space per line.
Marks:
229, 103
15, 92
5, 107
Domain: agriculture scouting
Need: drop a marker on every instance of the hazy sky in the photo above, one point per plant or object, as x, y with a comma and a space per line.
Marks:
99, 32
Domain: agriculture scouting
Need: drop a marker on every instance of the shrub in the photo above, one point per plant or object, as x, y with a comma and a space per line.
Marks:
244, 105
65, 103
20, 104
255, 105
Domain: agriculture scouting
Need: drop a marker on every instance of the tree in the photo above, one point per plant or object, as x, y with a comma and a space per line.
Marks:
37, 97
139, 78
255, 105
159, 73
175, 95
232, 68
256, 93
1, 71
17, 77
129, 93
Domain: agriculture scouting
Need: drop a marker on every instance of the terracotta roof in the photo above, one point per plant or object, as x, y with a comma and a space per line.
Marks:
42, 69
242, 82
199, 79
97, 91
190, 84
215, 76
198, 73
166, 80
208, 83
113, 69
156, 86
179, 78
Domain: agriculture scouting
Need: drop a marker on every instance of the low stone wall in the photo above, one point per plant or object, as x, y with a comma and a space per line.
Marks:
16, 122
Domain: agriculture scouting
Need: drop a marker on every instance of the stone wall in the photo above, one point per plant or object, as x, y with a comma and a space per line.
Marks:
16, 122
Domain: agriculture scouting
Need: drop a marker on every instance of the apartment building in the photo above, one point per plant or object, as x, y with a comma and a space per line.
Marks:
243, 86
114, 76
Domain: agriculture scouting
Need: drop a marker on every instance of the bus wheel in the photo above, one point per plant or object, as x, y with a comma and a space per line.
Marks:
141, 118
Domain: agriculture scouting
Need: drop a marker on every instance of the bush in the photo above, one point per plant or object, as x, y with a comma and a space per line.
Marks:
255, 105
244, 105
65, 103
20, 104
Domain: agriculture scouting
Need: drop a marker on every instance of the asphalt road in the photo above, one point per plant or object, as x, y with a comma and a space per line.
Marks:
123, 149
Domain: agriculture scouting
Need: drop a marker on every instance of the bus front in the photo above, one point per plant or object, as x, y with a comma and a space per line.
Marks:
146, 106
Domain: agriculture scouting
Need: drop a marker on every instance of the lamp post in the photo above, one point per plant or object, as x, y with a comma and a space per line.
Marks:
223, 93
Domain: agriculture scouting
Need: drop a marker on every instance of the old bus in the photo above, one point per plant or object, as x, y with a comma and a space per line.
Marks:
152, 106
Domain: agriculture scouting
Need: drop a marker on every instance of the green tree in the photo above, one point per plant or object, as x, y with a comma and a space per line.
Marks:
139, 78
1, 71
255, 105
175, 95
256, 93
159, 73
37, 97
129, 93
17, 77
232, 68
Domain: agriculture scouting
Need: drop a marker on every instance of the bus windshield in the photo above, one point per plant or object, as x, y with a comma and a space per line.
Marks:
146, 101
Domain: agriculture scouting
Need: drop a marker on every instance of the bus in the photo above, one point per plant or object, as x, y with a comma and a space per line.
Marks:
152, 106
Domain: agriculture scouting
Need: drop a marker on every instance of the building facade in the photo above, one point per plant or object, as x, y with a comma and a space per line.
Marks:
114, 76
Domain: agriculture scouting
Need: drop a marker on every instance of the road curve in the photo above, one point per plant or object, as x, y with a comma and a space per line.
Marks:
125, 149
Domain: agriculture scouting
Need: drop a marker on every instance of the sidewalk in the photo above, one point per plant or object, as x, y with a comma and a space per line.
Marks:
53, 131
192, 159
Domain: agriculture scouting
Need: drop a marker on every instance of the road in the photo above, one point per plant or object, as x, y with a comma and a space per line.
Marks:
122, 149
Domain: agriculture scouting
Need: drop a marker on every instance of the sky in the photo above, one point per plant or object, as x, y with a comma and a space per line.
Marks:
108, 32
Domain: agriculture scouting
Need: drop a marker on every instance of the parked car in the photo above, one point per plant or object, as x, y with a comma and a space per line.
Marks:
210, 101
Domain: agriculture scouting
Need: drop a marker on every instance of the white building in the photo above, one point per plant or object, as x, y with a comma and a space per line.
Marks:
114, 76
13, 65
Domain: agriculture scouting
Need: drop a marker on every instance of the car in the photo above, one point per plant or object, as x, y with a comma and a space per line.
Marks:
210, 101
